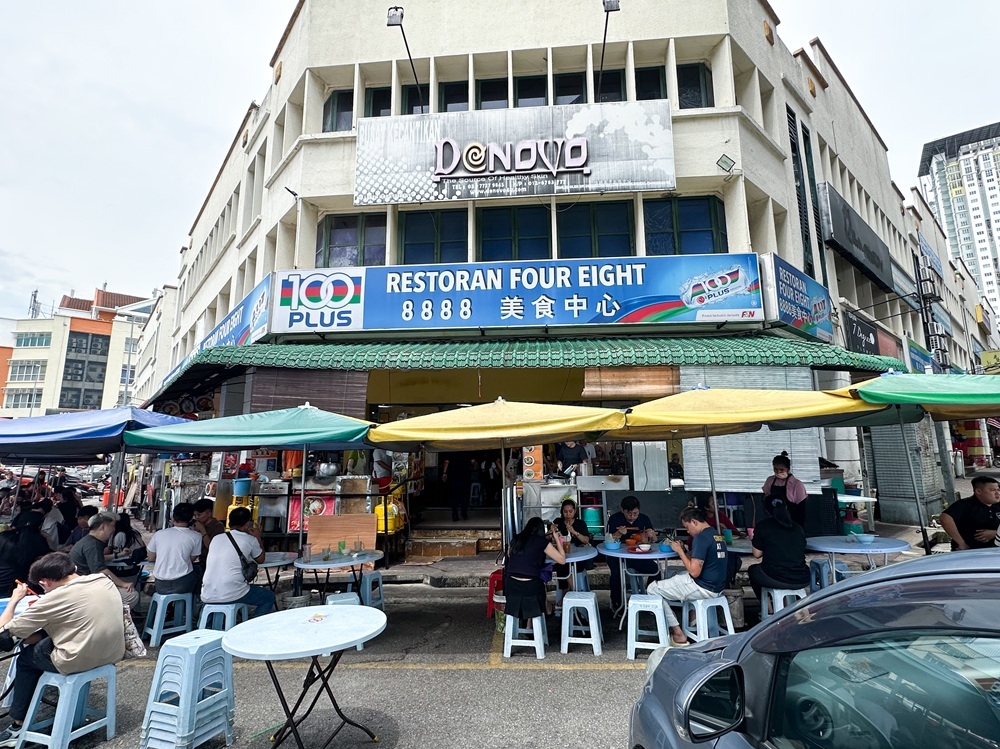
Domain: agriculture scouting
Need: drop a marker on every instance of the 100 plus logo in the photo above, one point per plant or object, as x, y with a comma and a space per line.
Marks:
322, 300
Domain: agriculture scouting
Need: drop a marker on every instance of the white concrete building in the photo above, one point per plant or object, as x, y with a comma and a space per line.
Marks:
153, 350
959, 179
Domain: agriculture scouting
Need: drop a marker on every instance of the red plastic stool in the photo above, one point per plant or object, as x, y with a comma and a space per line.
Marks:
495, 586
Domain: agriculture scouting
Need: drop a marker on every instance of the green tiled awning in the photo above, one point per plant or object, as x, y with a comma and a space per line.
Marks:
745, 350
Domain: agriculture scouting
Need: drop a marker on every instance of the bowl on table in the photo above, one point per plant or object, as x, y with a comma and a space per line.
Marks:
864, 538
644, 547
612, 545
631, 543
664, 546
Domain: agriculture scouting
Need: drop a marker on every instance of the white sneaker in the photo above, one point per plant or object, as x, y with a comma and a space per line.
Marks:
10, 735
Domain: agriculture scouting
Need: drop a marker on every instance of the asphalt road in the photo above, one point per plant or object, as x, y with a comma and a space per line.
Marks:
434, 678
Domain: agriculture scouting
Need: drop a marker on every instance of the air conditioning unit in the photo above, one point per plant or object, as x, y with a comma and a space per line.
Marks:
928, 290
979, 369
936, 343
943, 358
925, 273
935, 328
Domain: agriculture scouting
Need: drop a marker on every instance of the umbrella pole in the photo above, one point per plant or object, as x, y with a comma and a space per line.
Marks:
711, 482
503, 501
913, 479
297, 585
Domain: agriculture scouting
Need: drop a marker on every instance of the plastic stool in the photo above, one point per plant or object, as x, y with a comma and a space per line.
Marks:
191, 699
512, 630
156, 618
371, 590
587, 602
819, 573
706, 617
495, 586
653, 604
230, 613
345, 599
72, 710
774, 600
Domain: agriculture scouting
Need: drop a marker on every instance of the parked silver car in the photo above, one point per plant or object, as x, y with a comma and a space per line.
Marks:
903, 657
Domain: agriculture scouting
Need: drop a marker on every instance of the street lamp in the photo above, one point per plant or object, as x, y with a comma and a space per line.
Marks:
610, 6
395, 18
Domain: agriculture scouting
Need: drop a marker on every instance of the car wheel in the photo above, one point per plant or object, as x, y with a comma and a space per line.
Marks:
813, 719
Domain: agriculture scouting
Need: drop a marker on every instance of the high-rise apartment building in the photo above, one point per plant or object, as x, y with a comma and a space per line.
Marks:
959, 179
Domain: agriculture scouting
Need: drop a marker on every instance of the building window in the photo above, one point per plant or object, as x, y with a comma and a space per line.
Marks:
570, 88
131, 346
351, 241
70, 398
694, 86
800, 193
431, 237
412, 100
531, 91
26, 371
596, 230
685, 226
514, 233
32, 340
491, 94
18, 398
378, 102
92, 398
611, 85
338, 112
453, 96
128, 375
650, 83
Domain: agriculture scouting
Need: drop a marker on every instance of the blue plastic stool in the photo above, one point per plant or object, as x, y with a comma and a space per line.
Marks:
156, 618
819, 573
371, 590
72, 709
191, 699
230, 613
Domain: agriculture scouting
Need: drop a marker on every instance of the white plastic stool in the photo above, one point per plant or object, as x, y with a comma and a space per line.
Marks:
512, 630
230, 613
156, 617
774, 600
653, 604
706, 617
371, 590
344, 599
72, 710
593, 636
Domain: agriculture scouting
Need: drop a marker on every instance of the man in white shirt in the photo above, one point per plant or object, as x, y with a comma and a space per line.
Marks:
173, 552
224, 581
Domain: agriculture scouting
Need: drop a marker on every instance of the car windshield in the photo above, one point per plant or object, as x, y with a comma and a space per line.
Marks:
909, 689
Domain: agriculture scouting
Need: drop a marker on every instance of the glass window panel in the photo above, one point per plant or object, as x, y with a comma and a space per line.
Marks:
454, 252
531, 91
533, 221
374, 251
344, 119
454, 225
650, 83
496, 250
612, 85
612, 218
614, 245
694, 86
660, 244
418, 253
493, 94
379, 102
533, 248
412, 101
694, 214
697, 243
573, 221
570, 88
575, 247
454, 96
496, 223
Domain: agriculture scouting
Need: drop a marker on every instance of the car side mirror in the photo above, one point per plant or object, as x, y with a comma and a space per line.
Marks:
710, 702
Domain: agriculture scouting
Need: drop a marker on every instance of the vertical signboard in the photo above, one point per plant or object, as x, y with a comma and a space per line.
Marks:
861, 335
794, 299
921, 361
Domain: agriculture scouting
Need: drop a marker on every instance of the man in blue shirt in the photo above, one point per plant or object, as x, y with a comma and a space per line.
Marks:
705, 575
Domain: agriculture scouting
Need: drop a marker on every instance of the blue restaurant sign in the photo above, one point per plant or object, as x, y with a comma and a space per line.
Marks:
920, 358
601, 291
793, 298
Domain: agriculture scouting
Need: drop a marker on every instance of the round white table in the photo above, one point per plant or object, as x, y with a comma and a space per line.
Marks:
353, 560
277, 561
622, 555
833, 545
311, 632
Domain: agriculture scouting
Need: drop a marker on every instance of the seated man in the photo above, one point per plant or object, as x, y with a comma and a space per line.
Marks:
207, 525
173, 552
82, 528
74, 627
972, 522
706, 569
88, 555
224, 581
622, 525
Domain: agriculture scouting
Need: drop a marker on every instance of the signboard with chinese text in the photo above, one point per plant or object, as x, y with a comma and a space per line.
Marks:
628, 290
793, 298
502, 153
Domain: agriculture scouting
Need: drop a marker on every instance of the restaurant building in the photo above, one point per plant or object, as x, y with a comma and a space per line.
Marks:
534, 212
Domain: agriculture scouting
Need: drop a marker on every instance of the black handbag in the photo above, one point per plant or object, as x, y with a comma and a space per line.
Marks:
247, 566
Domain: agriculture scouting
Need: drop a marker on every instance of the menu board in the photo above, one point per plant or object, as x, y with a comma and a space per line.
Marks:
532, 463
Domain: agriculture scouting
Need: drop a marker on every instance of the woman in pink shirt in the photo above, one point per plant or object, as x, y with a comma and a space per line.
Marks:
782, 484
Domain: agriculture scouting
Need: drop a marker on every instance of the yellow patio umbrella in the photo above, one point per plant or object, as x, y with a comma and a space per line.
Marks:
500, 424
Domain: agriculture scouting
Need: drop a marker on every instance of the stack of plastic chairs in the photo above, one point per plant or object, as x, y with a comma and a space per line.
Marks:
191, 700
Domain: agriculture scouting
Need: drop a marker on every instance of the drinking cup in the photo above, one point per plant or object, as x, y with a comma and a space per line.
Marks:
341, 547
728, 535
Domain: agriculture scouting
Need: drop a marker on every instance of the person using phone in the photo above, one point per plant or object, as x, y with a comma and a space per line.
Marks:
523, 586
224, 581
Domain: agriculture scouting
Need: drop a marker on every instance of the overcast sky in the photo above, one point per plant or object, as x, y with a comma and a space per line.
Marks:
116, 115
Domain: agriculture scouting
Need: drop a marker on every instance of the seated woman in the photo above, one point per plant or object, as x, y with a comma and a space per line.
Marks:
523, 586
780, 543
571, 525
706, 503
19, 548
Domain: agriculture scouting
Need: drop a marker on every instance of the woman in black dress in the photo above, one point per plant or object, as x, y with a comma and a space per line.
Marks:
523, 587
780, 543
